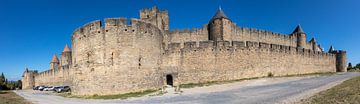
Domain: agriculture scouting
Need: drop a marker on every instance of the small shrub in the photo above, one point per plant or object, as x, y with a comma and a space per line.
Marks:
270, 74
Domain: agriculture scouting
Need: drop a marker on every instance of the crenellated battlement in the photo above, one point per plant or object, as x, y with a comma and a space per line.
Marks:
259, 31
190, 31
247, 45
122, 25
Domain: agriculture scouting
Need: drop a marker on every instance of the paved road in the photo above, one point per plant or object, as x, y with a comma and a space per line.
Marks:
266, 90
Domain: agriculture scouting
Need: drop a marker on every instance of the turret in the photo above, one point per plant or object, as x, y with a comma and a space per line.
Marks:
331, 49
301, 37
65, 58
219, 27
341, 63
54, 64
156, 17
321, 49
314, 44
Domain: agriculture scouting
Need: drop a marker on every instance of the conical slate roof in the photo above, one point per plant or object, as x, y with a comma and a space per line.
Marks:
332, 49
54, 59
219, 14
66, 49
313, 40
298, 29
321, 49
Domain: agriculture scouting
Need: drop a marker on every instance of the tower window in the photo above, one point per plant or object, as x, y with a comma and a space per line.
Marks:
112, 58
139, 62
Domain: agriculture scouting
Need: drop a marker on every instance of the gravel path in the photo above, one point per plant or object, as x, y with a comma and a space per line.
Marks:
259, 91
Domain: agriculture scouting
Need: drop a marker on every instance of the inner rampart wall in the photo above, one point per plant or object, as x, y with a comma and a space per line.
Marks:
235, 34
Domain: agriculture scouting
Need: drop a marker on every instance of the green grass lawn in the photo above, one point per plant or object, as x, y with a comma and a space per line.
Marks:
9, 97
347, 92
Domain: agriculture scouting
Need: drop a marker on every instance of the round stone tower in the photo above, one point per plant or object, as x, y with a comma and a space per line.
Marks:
301, 37
341, 61
219, 26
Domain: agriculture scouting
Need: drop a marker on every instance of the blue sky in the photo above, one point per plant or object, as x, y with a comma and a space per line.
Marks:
31, 31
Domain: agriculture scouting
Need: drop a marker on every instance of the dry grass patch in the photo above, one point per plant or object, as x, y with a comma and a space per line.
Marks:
9, 97
347, 92
116, 96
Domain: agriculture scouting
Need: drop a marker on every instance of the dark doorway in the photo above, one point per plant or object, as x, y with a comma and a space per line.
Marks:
169, 80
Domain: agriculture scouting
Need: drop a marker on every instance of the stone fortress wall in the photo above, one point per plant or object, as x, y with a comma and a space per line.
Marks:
54, 77
129, 55
210, 61
28, 80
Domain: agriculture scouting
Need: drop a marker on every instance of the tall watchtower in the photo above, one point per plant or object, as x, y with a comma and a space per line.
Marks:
65, 58
156, 17
219, 26
301, 37
54, 64
340, 59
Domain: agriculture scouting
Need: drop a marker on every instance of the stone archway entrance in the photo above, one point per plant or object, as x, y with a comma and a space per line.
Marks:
169, 80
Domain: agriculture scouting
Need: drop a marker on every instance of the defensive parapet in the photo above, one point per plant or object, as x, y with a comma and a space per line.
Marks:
250, 45
257, 35
185, 35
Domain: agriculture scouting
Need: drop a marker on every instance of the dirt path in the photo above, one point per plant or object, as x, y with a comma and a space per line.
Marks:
266, 90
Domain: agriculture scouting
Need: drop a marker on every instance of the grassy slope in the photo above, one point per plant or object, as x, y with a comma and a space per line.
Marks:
347, 92
9, 97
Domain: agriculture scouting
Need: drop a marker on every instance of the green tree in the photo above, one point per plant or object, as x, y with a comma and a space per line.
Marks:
357, 66
2, 79
19, 84
349, 66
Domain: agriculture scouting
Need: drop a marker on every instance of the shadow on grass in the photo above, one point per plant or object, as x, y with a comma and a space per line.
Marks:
3, 92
